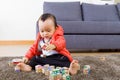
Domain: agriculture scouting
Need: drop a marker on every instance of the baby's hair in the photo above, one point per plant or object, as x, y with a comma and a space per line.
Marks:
46, 16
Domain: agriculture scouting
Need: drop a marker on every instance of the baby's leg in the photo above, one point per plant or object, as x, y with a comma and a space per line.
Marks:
24, 67
74, 67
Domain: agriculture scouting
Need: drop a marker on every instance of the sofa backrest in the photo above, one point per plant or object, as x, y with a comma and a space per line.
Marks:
94, 12
72, 16
64, 11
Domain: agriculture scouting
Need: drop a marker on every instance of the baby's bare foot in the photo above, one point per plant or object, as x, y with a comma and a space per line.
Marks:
24, 67
74, 67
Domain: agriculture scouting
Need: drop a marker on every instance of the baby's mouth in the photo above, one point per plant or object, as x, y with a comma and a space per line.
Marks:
46, 37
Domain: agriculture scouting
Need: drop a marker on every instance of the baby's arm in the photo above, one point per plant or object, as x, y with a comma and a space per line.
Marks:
60, 43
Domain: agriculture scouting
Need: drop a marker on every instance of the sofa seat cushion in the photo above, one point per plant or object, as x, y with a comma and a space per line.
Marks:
88, 42
90, 27
64, 11
94, 12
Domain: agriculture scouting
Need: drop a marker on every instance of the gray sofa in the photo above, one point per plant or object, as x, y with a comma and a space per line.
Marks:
87, 26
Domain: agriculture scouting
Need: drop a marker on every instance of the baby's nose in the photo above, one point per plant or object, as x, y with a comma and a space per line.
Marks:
45, 33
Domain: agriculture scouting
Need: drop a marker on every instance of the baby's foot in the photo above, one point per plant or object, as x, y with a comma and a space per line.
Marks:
74, 67
24, 67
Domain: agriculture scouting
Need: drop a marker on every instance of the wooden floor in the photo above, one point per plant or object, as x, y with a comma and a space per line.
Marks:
20, 50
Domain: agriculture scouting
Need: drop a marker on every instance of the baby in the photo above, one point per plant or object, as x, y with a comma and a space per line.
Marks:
49, 47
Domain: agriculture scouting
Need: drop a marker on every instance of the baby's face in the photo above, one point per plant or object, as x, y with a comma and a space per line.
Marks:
46, 28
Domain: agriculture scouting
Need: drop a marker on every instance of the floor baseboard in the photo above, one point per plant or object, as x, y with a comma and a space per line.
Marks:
17, 42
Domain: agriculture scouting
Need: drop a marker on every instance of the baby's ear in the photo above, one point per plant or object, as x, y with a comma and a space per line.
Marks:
56, 27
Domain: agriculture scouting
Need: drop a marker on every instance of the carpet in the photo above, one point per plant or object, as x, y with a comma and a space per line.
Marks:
108, 69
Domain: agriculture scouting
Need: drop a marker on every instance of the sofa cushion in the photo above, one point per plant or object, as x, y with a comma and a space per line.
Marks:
90, 27
63, 10
94, 12
118, 7
89, 42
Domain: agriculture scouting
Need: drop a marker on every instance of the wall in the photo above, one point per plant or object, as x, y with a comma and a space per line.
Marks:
117, 1
18, 18
103, 1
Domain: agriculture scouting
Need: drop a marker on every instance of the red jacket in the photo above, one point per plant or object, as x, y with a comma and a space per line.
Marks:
57, 39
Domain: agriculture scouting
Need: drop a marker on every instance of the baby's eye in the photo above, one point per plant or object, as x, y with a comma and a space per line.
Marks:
42, 31
48, 30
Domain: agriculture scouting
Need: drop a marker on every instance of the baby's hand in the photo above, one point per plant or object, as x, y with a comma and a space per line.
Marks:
50, 47
25, 59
